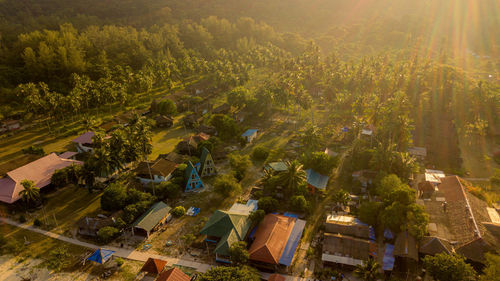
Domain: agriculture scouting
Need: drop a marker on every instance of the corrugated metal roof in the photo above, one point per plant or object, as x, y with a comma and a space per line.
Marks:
152, 217
317, 180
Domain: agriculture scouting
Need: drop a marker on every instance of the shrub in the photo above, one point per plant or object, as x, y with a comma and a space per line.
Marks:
260, 153
299, 203
226, 185
35, 150
166, 107
22, 219
114, 197
257, 216
37, 222
238, 252
58, 259
119, 261
268, 204
240, 165
178, 211
107, 233
59, 178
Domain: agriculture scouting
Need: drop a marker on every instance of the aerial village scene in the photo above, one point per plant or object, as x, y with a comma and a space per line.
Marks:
180, 140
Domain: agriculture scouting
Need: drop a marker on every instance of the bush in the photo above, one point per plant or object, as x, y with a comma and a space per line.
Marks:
260, 153
168, 190
226, 185
119, 261
22, 219
268, 204
59, 178
107, 233
299, 203
37, 223
239, 164
257, 216
178, 211
166, 107
35, 150
58, 259
114, 197
320, 162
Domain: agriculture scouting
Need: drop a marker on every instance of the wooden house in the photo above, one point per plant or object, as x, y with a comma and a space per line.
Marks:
192, 179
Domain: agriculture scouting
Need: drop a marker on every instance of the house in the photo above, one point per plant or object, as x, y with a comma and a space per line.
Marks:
405, 252
432, 176
458, 216
173, 157
173, 274
192, 120
68, 155
224, 228
347, 225
84, 142
418, 152
249, 135
158, 171
88, 226
192, 179
276, 167
345, 250
432, 245
316, 180
207, 165
157, 215
276, 240
163, 121
10, 125
39, 171
190, 144
153, 266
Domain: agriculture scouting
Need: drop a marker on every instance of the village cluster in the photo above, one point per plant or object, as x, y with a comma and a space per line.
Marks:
271, 226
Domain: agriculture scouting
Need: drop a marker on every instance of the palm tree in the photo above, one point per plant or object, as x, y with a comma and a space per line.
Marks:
30, 193
341, 198
293, 176
368, 271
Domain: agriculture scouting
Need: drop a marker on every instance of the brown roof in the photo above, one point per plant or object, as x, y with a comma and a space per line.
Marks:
271, 238
161, 167
276, 277
154, 266
173, 274
68, 154
431, 245
406, 246
475, 250
85, 138
348, 246
173, 157
40, 171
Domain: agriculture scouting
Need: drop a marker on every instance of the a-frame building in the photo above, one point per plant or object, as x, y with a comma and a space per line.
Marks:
207, 165
193, 180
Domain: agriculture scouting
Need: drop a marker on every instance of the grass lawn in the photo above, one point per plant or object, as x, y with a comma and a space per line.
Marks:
68, 205
164, 141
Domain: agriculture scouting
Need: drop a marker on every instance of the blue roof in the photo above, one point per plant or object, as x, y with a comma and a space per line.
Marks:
101, 256
388, 257
317, 180
249, 132
291, 244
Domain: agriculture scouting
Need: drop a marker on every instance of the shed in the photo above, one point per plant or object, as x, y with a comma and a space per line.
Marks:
153, 266
250, 134
101, 256
151, 219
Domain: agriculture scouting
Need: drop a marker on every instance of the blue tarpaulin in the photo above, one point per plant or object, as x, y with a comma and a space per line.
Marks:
101, 256
291, 215
293, 241
345, 129
388, 257
371, 234
388, 234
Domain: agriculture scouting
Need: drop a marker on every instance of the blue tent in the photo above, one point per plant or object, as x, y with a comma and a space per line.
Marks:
101, 256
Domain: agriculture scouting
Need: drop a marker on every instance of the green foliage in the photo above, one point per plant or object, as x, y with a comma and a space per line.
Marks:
238, 253
320, 162
387, 185
37, 222
238, 97
369, 212
299, 204
22, 219
240, 164
260, 153
223, 273
119, 261
166, 107
35, 150
293, 177
492, 270
188, 239
495, 179
369, 270
30, 193
114, 197
107, 234
341, 197
225, 125
268, 204
58, 259
444, 267
178, 211
168, 190
226, 185
257, 216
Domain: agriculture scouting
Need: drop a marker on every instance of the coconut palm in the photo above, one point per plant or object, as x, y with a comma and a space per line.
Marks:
341, 198
30, 193
293, 176
368, 271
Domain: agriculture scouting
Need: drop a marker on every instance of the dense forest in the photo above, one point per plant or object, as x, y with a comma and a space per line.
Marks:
366, 58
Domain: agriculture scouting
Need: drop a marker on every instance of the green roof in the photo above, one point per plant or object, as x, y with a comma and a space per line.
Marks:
152, 217
276, 166
223, 222
225, 243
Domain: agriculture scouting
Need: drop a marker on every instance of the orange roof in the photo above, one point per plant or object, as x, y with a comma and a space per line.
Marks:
271, 238
276, 277
173, 274
154, 266
40, 171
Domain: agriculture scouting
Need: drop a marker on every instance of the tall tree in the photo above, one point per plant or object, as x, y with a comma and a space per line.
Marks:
30, 193
369, 270
293, 176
